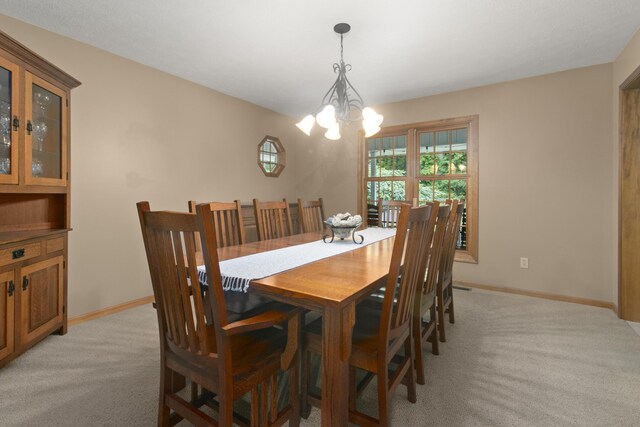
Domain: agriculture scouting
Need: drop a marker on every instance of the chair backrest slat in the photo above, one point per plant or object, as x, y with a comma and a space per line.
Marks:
223, 230
186, 311
273, 219
201, 326
453, 231
279, 225
163, 297
442, 214
172, 293
311, 215
192, 209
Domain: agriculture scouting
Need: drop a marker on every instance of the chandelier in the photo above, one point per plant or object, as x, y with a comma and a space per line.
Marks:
342, 104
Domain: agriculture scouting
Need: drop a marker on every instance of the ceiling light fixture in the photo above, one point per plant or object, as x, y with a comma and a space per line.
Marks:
342, 104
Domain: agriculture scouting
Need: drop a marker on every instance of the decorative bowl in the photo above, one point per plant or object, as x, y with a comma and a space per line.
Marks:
344, 229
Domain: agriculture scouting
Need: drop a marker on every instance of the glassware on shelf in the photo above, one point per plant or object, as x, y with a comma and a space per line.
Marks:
39, 133
5, 159
5, 123
36, 167
5, 166
42, 99
46, 136
5, 137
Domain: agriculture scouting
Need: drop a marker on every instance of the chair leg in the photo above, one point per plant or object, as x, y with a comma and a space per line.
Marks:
273, 408
194, 391
255, 409
353, 389
264, 403
165, 387
435, 346
410, 375
294, 394
178, 382
417, 341
305, 409
225, 408
452, 316
440, 298
383, 396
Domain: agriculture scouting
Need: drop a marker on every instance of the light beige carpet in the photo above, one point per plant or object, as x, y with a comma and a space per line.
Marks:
635, 326
509, 361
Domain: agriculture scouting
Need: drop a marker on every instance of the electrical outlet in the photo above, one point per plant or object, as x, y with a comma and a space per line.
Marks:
524, 262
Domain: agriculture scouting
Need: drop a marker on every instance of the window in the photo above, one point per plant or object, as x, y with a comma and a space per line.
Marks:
425, 161
387, 168
271, 156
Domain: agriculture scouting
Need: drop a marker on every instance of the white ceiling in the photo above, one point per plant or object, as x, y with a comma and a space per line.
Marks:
279, 53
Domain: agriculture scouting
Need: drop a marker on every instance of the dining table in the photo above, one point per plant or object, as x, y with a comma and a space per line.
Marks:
331, 286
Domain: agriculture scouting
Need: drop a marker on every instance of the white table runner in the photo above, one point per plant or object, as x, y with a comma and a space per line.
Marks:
237, 273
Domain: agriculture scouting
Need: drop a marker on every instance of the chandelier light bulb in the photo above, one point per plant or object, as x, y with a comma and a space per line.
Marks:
306, 124
369, 130
327, 117
334, 132
371, 118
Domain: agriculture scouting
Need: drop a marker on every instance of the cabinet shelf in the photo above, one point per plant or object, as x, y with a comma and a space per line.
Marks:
33, 189
36, 153
21, 236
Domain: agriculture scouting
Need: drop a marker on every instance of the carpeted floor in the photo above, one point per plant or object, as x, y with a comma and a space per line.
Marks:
635, 326
509, 361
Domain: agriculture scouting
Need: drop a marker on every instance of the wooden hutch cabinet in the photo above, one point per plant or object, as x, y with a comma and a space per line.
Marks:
34, 197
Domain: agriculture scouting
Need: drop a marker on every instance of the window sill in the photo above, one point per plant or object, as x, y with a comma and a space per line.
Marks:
464, 256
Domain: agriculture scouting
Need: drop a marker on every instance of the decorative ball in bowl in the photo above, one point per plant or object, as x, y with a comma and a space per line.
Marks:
342, 226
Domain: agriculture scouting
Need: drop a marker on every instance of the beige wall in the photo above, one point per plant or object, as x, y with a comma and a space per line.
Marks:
140, 134
545, 178
625, 64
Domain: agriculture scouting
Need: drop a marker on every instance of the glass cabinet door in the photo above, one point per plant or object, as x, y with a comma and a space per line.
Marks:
9, 123
46, 129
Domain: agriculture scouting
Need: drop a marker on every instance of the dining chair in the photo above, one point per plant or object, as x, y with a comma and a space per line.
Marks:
311, 215
425, 330
372, 214
388, 211
382, 339
273, 219
445, 275
227, 222
228, 359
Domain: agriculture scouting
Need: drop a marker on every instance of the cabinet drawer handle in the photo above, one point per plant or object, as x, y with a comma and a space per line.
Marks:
16, 123
18, 253
12, 288
29, 127
25, 283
